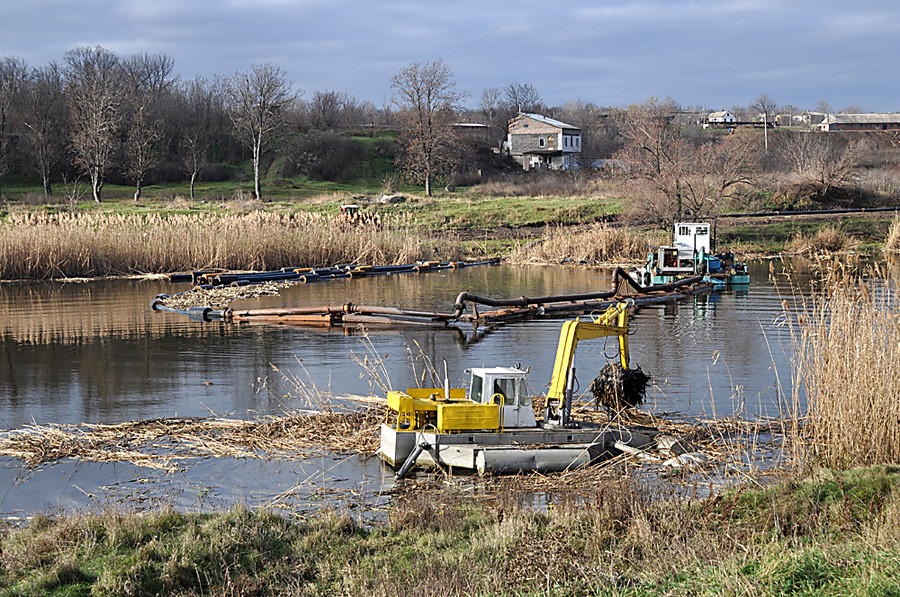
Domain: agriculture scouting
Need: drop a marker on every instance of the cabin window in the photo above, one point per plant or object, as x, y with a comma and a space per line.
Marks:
524, 398
475, 390
507, 389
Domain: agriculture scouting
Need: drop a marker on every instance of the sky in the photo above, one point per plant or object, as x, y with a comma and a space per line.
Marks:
712, 53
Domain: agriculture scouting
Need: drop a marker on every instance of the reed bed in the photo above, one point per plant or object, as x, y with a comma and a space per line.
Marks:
828, 239
40, 245
597, 245
847, 349
161, 443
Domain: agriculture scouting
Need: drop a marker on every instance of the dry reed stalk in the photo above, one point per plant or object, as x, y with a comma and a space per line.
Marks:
37, 245
157, 443
598, 245
892, 242
848, 361
826, 240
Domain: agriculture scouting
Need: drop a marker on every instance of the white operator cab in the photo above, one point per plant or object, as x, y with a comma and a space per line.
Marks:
690, 240
504, 386
694, 235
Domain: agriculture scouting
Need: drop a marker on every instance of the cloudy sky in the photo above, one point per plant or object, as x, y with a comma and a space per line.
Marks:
715, 53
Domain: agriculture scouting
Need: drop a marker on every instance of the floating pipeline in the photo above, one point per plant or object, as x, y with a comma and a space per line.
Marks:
210, 279
504, 310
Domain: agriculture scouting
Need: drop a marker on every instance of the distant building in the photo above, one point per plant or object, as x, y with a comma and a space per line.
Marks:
721, 117
860, 122
541, 143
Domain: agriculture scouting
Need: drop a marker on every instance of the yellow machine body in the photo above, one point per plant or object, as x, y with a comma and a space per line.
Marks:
418, 408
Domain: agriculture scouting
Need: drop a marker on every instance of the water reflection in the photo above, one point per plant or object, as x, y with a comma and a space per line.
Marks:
96, 353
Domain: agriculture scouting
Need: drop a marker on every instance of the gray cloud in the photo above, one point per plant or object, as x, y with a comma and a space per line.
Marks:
612, 52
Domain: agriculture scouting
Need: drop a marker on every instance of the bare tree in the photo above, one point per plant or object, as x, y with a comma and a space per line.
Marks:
765, 106
598, 131
425, 93
13, 74
823, 107
673, 174
522, 97
824, 160
489, 103
148, 79
45, 120
96, 88
332, 110
201, 102
256, 102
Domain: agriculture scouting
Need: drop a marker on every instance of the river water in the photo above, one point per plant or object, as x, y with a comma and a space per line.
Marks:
96, 353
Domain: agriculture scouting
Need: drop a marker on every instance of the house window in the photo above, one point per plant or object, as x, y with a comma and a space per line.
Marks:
541, 142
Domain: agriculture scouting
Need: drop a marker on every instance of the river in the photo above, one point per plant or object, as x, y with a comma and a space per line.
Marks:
96, 353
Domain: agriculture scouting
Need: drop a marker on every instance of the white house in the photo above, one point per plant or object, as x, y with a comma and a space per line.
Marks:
719, 118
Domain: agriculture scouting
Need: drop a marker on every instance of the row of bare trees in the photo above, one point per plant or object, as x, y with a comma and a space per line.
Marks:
96, 114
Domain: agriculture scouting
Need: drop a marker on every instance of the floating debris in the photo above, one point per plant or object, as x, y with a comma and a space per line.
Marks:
160, 443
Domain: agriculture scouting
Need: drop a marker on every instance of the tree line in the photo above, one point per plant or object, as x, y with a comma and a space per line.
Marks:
100, 116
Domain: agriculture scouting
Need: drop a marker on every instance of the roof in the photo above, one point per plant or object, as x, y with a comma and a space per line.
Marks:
720, 114
861, 118
550, 121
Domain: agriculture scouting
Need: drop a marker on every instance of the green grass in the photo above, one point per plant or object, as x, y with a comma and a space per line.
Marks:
831, 533
769, 238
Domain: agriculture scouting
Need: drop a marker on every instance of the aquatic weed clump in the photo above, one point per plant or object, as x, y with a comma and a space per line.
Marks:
617, 388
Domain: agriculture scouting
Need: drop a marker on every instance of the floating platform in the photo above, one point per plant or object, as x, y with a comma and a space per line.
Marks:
510, 452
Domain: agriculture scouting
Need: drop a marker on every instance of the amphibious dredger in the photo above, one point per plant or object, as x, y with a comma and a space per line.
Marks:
690, 254
493, 428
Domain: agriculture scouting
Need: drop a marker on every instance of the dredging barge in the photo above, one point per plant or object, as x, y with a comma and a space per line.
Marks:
492, 428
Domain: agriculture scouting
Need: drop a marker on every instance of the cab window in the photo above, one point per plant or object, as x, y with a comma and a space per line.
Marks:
506, 388
475, 390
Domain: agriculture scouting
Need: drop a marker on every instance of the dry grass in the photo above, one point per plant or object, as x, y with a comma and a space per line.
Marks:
598, 245
848, 360
547, 184
826, 240
77, 245
892, 242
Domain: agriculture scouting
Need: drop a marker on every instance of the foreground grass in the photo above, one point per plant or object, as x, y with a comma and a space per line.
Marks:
826, 534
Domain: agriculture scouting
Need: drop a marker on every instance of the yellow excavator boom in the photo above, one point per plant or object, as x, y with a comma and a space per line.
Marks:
613, 322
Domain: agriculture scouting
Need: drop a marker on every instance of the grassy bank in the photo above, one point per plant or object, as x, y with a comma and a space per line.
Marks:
827, 534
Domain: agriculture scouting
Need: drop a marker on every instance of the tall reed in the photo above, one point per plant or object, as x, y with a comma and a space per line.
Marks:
892, 242
599, 244
37, 245
847, 353
827, 239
